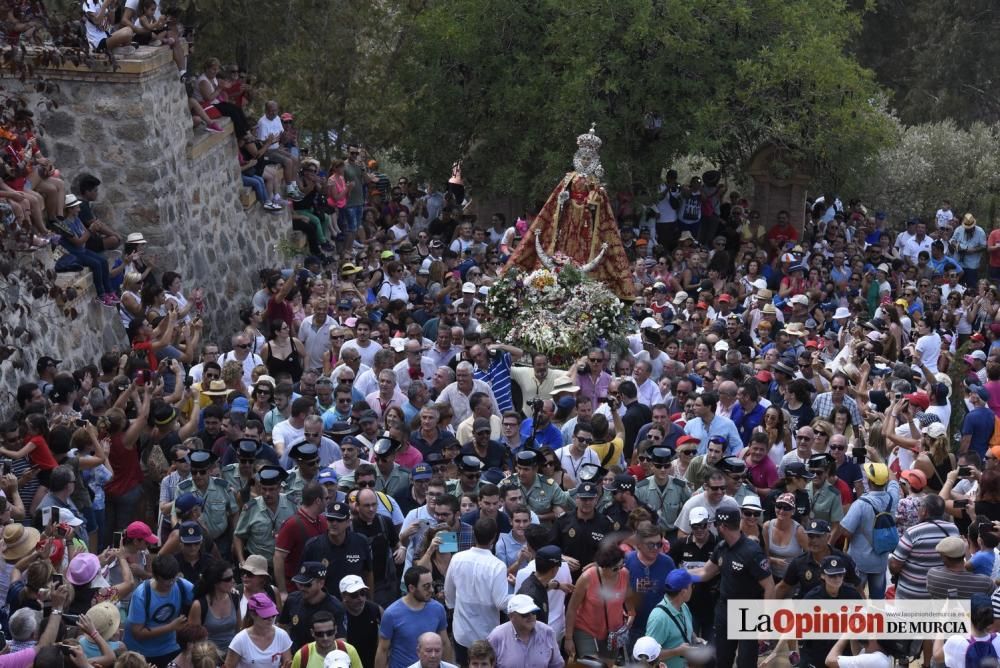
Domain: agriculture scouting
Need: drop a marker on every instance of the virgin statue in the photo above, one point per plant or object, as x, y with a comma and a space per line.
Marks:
577, 225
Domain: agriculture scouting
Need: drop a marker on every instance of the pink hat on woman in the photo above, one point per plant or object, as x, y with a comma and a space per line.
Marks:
85, 569
262, 605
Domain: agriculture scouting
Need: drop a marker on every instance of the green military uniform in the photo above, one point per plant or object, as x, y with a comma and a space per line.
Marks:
454, 487
742, 492
294, 484
231, 474
397, 482
667, 502
219, 504
258, 526
826, 503
543, 494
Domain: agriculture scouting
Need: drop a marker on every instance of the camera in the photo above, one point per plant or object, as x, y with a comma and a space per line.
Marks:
964, 471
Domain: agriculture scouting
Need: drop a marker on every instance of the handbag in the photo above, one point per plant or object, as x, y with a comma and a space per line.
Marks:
618, 639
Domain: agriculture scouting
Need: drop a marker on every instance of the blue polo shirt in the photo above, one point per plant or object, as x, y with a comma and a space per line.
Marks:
978, 424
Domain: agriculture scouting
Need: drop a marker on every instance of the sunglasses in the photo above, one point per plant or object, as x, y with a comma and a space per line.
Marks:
783, 507
243, 346
366, 483
838, 447
661, 466
751, 513
324, 634
689, 453
717, 488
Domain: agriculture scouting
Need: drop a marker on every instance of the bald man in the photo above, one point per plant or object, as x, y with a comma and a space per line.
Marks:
429, 651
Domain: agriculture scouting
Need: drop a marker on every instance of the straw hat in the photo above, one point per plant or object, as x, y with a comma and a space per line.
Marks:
217, 388
19, 540
106, 619
968, 220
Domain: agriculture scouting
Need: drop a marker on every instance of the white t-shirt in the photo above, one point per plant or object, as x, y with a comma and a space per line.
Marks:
134, 6
95, 33
930, 350
286, 435
394, 291
956, 646
874, 660
252, 656
267, 126
944, 218
367, 354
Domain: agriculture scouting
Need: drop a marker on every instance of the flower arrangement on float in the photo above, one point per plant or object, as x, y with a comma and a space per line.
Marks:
557, 309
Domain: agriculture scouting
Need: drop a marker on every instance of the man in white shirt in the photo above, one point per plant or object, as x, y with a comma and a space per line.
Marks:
483, 582
241, 353
269, 126
362, 342
457, 394
416, 365
919, 242
649, 391
945, 217
578, 452
538, 537
928, 345
289, 432
430, 649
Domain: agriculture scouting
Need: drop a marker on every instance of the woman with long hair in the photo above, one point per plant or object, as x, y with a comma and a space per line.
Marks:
283, 353
552, 468
252, 320
260, 644
840, 416
779, 436
255, 580
600, 605
935, 460
216, 606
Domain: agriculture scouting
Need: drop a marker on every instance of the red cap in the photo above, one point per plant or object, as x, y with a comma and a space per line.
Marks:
977, 337
919, 399
764, 376
141, 530
812, 344
686, 438
287, 117
724, 298
701, 305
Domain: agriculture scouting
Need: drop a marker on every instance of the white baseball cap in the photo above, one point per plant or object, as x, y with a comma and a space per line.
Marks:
841, 312
522, 604
721, 346
350, 584
759, 283
698, 515
469, 288
338, 658
646, 649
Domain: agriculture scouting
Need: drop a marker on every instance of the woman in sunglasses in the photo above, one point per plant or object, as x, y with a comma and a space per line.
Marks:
784, 538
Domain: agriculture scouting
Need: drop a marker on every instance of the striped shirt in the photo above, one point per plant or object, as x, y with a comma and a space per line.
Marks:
498, 376
942, 583
917, 551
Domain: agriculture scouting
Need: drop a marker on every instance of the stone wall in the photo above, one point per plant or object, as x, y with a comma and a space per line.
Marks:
180, 188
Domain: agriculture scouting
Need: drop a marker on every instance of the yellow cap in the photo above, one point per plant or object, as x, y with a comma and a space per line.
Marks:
878, 474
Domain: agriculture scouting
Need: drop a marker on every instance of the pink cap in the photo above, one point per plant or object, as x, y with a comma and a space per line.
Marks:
141, 530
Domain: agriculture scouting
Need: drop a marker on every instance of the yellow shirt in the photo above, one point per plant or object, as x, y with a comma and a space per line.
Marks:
314, 659
616, 448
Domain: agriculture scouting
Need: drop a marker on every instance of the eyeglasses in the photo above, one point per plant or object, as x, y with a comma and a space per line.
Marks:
363, 484
243, 346
783, 507
594, 360
644, 458
689, 453
803, 437
324, 634
717, 488
838, 447
661, 466
583, 440
199, 472
751, 513
653, 545
311, 434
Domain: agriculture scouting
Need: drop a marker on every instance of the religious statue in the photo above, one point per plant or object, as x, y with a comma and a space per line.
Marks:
577, 225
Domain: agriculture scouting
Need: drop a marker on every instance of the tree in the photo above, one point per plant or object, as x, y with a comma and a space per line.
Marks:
507, 86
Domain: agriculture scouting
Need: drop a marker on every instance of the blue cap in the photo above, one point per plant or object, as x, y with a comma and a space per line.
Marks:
678, 579
190, 533
549, 553
422, 472
345, 304
186, 502
240, 405
327, 476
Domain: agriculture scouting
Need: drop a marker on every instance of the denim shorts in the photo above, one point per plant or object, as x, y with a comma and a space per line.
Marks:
352, 218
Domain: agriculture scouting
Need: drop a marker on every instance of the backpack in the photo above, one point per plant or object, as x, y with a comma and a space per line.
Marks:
995, 438
185, 603
885, 535
981, 653
304, 660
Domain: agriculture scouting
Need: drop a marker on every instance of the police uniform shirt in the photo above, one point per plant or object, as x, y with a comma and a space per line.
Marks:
352, 557
666, 501
192, 572
220, 503
803, 573
580, 538
814, 652
742, 566
258, 526
687, 554
231, 474
539, 594
454, 487
618, 515
297, 613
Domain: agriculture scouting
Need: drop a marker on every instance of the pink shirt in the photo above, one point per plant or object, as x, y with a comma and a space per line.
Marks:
409, 457
764, 474
993, 387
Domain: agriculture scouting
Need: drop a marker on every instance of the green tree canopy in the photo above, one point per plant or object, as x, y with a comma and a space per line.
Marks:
506, 87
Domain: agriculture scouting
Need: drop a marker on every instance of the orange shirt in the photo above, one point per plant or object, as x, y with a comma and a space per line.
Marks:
602, 612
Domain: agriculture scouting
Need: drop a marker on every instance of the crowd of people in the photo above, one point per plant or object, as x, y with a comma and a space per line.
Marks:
359, 474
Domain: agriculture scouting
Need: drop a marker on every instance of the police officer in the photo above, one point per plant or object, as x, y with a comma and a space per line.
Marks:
695, 551
262, 517
735, 470
306, 457
470, 472
831, 587
824, 498
580, 532
390, 477
745, 574
804, 570
239, 474
624, 501
663, 492
219, 509
541, 495
309, 598
193, 558
797, 476
594, 473
341, 551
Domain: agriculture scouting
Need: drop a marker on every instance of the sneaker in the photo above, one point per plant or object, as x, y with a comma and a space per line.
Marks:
60, 226
293, 192
113, 298
279, 201
213, 127
271, 206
